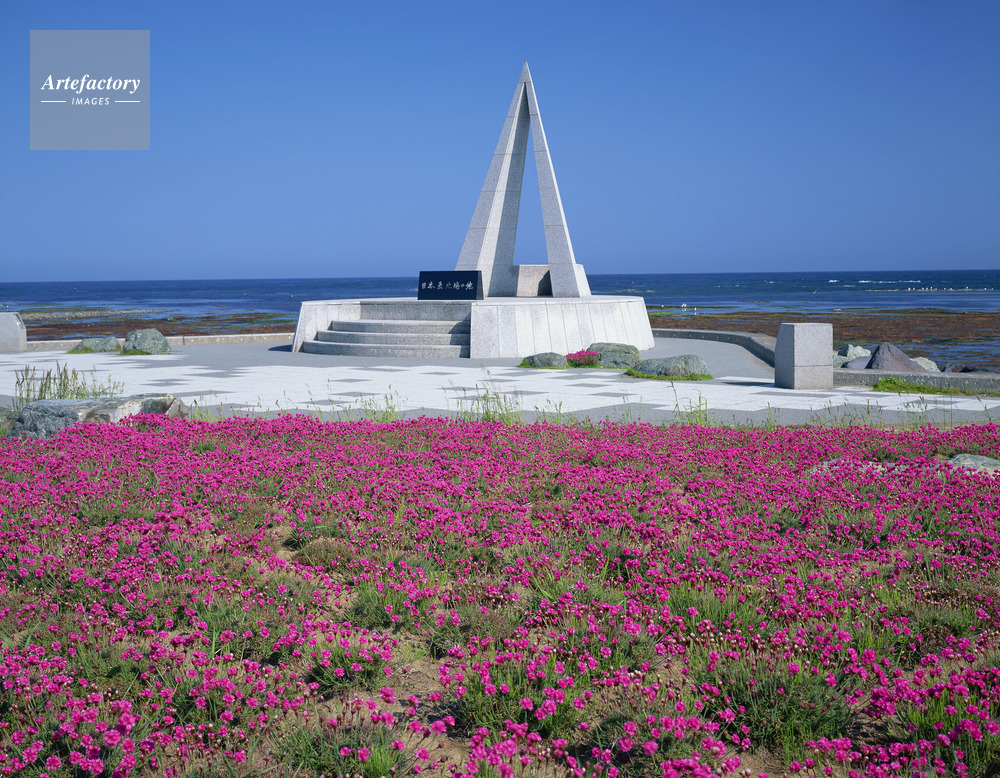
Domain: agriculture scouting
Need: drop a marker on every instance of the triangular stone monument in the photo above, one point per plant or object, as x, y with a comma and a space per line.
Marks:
490, 308
489, 243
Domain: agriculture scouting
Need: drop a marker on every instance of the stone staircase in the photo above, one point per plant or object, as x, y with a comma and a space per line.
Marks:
379, 333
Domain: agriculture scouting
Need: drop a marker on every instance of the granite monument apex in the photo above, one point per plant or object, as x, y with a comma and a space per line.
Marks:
524, 309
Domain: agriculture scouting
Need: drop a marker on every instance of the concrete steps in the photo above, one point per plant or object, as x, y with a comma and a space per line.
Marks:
387, 351
401, 325
393, 337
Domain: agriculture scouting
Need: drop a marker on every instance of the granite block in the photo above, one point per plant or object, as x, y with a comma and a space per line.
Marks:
806, 377
803, 356
810, 343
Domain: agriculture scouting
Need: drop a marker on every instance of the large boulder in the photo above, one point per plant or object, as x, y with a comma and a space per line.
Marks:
96, 345
545, 359
148, 341
44, 418
927, 364
858, 363
853, 352
615, 354
975, 462
890, 357
683, 365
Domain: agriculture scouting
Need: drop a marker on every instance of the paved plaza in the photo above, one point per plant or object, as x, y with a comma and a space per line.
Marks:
269, 378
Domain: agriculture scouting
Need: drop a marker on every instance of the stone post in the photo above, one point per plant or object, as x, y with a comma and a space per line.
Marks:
803, 356
13, 335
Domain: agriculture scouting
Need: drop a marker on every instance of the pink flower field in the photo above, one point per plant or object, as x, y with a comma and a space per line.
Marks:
289, 597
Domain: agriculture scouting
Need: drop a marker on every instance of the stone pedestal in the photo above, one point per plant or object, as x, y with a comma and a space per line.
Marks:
13, 335
803, 356
494, 328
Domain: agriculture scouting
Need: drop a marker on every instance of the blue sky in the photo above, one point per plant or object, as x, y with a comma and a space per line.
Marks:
333, 139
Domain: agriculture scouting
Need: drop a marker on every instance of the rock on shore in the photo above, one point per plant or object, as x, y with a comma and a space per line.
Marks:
615, 354
683, 365
889, 357
885, 357
148, 341
99, 345
546, 359
44, 418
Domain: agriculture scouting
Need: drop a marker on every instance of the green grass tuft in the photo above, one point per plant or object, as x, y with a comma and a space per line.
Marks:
129, 352
901, 386
687, 377
61, 383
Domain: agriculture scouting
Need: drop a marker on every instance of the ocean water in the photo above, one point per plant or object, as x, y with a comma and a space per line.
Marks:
807, 292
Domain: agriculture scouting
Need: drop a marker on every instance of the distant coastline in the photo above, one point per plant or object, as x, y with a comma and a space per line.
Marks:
946, 316
811, 291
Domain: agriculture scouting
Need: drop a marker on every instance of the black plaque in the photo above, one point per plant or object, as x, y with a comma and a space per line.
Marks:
450, 285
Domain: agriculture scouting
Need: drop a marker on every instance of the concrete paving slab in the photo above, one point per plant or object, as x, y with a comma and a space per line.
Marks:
263, 378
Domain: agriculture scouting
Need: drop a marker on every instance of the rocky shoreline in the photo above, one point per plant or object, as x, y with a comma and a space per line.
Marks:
94, 313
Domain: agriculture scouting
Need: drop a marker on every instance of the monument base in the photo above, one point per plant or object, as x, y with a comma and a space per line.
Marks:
494, 328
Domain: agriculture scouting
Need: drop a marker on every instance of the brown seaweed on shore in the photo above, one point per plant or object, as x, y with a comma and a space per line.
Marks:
110, 323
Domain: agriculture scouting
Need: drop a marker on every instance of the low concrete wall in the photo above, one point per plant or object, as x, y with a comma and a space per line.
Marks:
55, 345
761, 346
514, 327
194, 340
969, 382
173, 340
